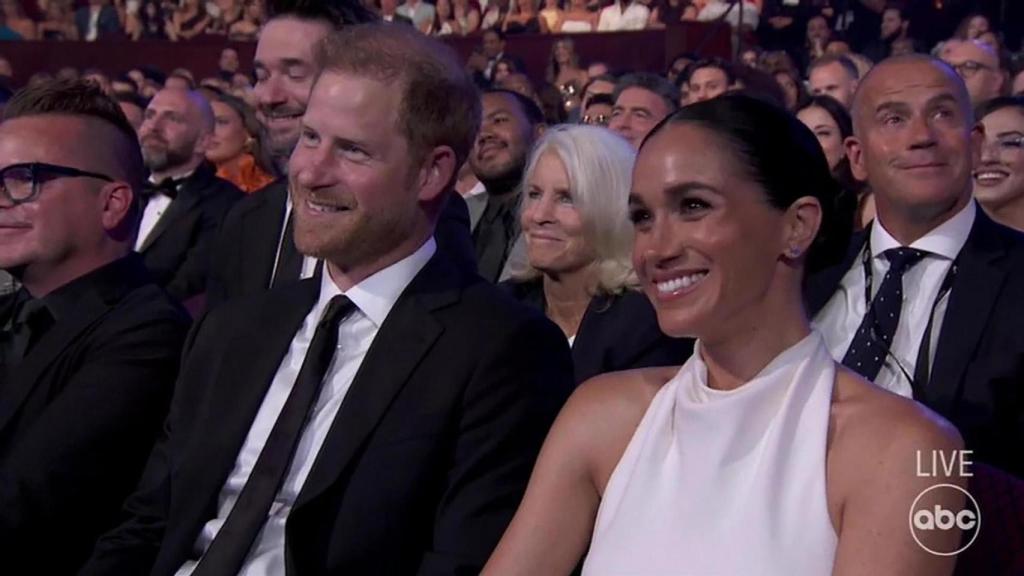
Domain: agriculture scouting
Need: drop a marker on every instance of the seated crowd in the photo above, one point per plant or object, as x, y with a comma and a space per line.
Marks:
379, 311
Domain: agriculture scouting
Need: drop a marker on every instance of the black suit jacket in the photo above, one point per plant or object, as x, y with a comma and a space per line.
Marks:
108, 25
245, 249
977, 379
177, 251
79, 415
617, 332
428, 456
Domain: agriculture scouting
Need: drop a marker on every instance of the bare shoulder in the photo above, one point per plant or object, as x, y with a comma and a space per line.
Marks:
604, 412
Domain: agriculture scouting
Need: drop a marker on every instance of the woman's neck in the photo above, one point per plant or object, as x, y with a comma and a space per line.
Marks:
566, 297
754, 339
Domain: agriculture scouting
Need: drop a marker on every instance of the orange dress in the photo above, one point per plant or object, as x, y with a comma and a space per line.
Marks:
244, 173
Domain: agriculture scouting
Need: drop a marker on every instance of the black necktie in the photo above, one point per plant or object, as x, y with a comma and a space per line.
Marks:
29, 319
229, 548
289, 261
874, 336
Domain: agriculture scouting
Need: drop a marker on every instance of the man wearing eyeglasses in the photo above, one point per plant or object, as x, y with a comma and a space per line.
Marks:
978, 64
89, 344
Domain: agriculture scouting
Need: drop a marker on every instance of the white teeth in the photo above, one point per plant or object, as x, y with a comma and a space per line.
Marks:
990, 175
322, 208
681, 283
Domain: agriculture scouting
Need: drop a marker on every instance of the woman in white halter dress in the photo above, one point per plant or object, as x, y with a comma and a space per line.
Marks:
760, 456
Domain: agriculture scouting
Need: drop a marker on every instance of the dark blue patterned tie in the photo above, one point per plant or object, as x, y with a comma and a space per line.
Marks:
874, 336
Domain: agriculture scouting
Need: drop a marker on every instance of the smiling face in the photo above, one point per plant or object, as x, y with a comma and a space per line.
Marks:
229, 135
352, 177
707, 83
636, 112
999, 180
707, 241
284, 76
551, 224
914, 141
504, 139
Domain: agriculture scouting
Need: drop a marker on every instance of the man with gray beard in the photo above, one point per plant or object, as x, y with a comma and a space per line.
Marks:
184, 201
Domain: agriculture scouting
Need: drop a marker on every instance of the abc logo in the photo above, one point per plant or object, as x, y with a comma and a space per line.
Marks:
936, 518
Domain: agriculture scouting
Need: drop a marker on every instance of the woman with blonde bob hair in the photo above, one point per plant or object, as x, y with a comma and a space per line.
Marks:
578, 238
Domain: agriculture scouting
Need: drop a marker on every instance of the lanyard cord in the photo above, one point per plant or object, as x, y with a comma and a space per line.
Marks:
921, 369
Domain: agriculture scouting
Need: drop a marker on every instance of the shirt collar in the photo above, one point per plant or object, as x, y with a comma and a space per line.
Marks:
945, 240
476, 190
177, 178
377, 294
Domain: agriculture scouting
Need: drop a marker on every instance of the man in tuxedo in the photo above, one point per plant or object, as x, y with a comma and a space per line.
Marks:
89, 345
511, 123
930, 300
97, 20
254, 249
184, 201
337, 425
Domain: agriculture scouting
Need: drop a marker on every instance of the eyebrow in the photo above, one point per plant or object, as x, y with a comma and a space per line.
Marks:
284, 63
1010, 133
945, 97
680, 189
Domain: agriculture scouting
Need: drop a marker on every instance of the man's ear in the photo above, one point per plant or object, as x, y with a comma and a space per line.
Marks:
855, 154
436, 173
116, 212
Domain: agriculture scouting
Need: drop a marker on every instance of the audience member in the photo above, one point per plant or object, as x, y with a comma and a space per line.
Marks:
999, 178
98, 78
578, 18
14, 17
247, 29
493, 43
227, 14
465, 17
818, 35
153, 23
838, 47
494, 15
782, 25
89, 345
598, 111
679, 65
972, 27
708, 79
792, 87
235, 147
511, 123
564, 72
190, 20
420, 12
978, 64
578, 243
641, 101
666, 13
832, 125
522, 18
551, 14
58, 22
184, 202
364, 455
962, 275
623, 15
503, 69
227, 63
389, 13
731, 201
97, 20
834, 76
444, 19
895, 23
132, 107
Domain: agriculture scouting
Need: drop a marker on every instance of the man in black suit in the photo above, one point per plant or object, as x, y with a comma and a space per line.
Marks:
511, 124
89, 345
97, 20
184, 201
254, 249
930, 301
338, 425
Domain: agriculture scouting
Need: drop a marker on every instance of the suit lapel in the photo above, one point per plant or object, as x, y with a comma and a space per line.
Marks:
23, 378
251, 360
971, 300
403, 340
177, 209
261, 231
819, 288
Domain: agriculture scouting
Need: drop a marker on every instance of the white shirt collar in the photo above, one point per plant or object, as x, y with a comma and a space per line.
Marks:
377, 294
945, 241
476, 190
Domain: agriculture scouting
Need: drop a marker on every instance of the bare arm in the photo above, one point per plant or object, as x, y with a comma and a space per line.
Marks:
875, 534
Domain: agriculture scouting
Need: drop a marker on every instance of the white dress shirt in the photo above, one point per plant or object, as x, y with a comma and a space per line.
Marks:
614, 18
839, 320
154, 210
373, 297
308, 262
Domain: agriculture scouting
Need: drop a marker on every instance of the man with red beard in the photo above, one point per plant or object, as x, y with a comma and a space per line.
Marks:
184, 201
255, 249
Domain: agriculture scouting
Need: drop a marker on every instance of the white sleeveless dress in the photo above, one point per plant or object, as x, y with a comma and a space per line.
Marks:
725, 482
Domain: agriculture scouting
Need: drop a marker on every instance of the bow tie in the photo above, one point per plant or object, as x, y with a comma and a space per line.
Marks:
168, 187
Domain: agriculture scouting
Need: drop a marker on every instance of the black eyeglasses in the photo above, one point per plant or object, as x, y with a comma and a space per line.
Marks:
19, 183
968, 68
596, 119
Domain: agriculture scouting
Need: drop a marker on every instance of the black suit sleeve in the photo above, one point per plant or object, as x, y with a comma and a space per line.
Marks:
507, 409
132, 547
226, 243
86, 451
190, 278
452, 234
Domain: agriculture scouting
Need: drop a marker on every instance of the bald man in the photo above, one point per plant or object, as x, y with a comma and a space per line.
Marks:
184, 201
89, 345
978, 64
952, 340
